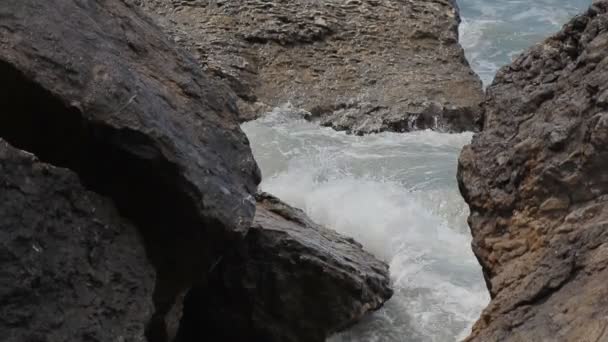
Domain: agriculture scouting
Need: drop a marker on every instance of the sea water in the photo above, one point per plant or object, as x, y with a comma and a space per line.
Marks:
493, 32
397, 193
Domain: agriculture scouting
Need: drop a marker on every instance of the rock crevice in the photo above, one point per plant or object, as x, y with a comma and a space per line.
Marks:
119, 164
107, 96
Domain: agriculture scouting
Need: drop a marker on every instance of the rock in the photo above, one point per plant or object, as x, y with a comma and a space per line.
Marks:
360, 66
144, 215
291, 280
70, 268
536, 182
94, 86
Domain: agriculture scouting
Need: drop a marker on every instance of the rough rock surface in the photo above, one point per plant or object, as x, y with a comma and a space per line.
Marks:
94, 86
536, 180
113, 70
357, 65
291, 280
70, 268
94, 89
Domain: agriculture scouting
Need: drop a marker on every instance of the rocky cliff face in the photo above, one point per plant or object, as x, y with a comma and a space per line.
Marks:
361, 66
142, 184
536, 180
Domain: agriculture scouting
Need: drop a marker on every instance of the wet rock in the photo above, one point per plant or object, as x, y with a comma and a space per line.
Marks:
360, 66
95, 90
536, 180
71, 269
94, 86
112, 69
291, 280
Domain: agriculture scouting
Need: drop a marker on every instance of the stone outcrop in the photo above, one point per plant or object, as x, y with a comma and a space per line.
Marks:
358, 65
70, 268
536, 180
142, 190
291, 280
117, 79
94, 86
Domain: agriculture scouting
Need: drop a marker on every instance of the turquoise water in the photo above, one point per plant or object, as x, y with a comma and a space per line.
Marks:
494, 31
397, 193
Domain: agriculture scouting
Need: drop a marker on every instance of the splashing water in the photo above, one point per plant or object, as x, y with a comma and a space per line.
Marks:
397, 193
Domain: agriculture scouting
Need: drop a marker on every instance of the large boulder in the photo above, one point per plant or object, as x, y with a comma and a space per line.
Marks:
107, 75
71, 269
290, 281
536, 180
359, 65
143, 191
95, 87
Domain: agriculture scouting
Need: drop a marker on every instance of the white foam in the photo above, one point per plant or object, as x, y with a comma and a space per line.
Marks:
396, 194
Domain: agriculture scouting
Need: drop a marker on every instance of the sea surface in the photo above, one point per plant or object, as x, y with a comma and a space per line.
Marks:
397, 193
493, 32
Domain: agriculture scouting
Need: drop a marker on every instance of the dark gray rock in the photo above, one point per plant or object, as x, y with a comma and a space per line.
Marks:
363, 65
536, 180
71, 269
291, 280
94, 89
94, 86
113, 70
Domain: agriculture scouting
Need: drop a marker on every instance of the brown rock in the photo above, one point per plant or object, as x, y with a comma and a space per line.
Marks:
536, 180
362, 66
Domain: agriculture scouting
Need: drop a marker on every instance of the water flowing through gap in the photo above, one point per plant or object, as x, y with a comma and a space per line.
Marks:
397, 193
394, 193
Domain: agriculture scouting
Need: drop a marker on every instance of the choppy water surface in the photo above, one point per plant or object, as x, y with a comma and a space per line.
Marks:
494, 31
397, 193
